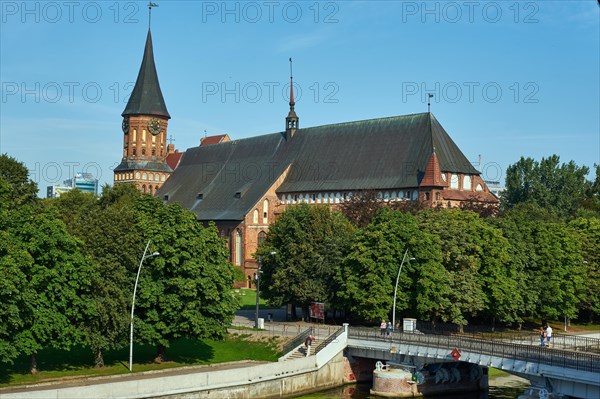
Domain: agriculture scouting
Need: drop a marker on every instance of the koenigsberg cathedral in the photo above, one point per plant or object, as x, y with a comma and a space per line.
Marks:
243, 185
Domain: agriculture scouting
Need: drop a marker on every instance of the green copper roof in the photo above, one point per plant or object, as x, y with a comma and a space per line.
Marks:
146, 98
386, 153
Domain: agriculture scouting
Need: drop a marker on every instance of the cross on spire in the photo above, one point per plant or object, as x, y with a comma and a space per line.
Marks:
171, 139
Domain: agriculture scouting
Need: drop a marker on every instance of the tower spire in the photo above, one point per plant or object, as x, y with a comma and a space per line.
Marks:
291, 122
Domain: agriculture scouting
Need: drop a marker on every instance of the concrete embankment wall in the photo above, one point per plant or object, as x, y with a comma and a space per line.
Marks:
268, 380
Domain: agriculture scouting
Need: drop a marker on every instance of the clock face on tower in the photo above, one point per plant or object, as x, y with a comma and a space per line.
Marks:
154, 126
125, 125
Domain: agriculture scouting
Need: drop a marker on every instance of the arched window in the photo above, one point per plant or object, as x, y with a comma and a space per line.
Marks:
319, 198
289, 199
331, 198
437, 196
261, 237
337, 198
162, 178
265, 211
282, 198
467, 183
393, 197
144, 188
415, 195
386, 196
134, 135
454, 181
479, 187
150, 189
255, 217
137, 175
144, 176
238, 247
313, 198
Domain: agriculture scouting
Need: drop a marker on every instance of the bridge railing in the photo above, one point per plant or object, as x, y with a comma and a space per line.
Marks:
554, 357
296, 341
559, 341
329, 339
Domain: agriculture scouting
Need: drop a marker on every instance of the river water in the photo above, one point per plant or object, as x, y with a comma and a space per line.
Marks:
500, 388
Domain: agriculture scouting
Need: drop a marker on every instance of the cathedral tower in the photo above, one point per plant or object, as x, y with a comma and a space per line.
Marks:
145, 121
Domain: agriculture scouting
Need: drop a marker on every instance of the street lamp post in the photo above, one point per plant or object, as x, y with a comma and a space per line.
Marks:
258, 271
396, 289
144, 257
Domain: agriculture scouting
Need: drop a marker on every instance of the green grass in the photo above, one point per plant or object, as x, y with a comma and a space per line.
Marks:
58, 365
492, 372
247, 298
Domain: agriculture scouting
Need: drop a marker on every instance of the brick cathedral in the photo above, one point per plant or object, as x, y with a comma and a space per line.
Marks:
243, 185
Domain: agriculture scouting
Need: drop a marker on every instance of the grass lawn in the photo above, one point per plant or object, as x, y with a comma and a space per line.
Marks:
247, 298
58, 365
492, 372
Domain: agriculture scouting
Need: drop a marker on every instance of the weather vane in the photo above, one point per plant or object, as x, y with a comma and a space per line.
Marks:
429, 95
150, 5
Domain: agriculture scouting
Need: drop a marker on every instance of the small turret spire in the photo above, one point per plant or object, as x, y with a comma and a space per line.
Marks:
291, 122
292, 103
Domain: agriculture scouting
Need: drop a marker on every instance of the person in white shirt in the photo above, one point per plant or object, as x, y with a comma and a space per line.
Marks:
548, 334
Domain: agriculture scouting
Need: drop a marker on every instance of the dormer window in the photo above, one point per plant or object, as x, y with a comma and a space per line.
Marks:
200, 196
166, 197
238, 195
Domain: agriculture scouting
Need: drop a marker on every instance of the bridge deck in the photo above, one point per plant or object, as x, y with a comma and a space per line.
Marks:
518, 351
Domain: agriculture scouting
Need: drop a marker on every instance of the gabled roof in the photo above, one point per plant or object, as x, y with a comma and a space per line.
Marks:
385, 153
432, 177
173, 159
147, 98
210, 140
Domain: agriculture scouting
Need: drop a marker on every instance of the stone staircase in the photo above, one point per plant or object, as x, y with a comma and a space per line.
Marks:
301, 351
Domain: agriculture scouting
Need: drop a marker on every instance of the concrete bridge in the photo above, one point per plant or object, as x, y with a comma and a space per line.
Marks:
558, 371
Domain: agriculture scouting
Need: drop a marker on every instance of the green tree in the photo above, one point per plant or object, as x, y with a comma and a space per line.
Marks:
368, 274
309, 244
16, 188
549, 252
54, 281
107, 228
561, 188
184, 292
588, 230
475, 256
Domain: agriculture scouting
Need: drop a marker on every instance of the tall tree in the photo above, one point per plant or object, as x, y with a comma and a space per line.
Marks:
184, 292
561, 188
309, 244
588, 231
475, 256
551, 256
54, 294
110, 239
16, 188
368, 274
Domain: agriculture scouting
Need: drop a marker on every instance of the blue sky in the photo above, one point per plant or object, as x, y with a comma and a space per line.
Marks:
509, 78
